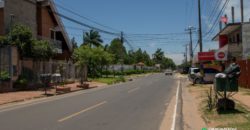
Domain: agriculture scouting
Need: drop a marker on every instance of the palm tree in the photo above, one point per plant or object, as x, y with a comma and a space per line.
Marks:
158, 56
92, 38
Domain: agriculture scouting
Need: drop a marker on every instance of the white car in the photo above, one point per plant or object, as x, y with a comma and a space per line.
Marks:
209, 76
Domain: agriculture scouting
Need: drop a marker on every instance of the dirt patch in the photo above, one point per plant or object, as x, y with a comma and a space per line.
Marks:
191, 115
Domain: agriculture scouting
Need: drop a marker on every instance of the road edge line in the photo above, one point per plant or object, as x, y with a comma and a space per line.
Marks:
176, 105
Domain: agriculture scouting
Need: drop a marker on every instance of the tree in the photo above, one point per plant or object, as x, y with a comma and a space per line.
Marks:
3, 41
92, 38
42, 50
82, 55
118, 50
99, 59
165, 62
158, 56
74, 43
21, 36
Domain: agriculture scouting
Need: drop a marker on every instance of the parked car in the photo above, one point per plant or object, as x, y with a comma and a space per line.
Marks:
192, 73
209, 75
168, 72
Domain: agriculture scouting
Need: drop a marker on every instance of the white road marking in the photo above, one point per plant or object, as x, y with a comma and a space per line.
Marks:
175, 109
134, 89
82, 111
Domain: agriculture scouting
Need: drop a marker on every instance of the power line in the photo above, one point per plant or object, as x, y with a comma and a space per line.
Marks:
88, 19
215, 23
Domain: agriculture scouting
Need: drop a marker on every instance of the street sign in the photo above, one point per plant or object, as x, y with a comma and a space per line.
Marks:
221, 56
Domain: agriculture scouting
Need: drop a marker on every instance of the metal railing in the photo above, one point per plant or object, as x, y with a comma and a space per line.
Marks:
55, 43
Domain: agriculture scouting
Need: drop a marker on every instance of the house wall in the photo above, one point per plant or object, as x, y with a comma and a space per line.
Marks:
24, 12
246, 40
1, 21
45, 22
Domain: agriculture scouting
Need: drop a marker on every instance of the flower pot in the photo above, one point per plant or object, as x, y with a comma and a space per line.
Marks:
63, 89
84, 86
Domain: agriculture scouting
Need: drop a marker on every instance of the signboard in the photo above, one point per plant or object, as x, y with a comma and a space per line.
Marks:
220, 56
206, 56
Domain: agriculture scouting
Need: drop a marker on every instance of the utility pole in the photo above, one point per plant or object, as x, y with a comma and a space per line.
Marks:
122, 37
122, 62
242, 10
186, 53
190, 30
232, 11
200, 26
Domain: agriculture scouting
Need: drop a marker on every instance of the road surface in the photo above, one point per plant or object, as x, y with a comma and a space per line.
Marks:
136, 105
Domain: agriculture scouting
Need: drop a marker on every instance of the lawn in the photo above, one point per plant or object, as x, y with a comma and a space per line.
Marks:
109, 80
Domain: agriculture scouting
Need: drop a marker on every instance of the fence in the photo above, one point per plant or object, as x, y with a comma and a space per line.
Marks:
32, 69
5, 68
244, 80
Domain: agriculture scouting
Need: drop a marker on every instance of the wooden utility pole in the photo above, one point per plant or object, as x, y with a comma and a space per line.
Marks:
232, 14
200, 26
190, 31
242, 10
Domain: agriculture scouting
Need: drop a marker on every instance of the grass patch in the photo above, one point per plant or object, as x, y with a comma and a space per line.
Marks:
110, 80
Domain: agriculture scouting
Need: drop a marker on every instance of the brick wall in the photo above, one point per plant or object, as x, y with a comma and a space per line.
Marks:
24, 12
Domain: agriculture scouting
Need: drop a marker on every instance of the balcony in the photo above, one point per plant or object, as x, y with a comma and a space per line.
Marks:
55, 43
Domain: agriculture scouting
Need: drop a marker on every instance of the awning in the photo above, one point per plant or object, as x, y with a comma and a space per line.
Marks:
227, 30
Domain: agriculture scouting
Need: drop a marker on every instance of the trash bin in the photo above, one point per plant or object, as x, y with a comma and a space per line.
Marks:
233, 84
221, 82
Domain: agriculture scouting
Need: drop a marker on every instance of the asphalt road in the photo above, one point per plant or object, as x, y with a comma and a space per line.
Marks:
136, 105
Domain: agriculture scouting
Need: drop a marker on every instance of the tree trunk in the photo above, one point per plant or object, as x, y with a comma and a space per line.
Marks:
85, 73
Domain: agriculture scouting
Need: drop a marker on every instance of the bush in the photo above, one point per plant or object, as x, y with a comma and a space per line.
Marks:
4, 76
121, 79
21, 84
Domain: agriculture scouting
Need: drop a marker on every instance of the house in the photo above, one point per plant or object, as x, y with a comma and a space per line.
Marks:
234, 39
41, 17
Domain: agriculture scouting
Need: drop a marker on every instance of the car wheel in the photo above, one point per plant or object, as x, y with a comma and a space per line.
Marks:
198, 81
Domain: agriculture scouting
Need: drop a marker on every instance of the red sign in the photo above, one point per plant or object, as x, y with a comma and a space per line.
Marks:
224, 19
206, 56
221, 55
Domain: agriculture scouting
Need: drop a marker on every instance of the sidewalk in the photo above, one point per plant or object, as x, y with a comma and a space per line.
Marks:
19, 96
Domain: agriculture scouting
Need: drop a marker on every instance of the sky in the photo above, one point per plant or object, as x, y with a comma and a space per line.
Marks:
165, 20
